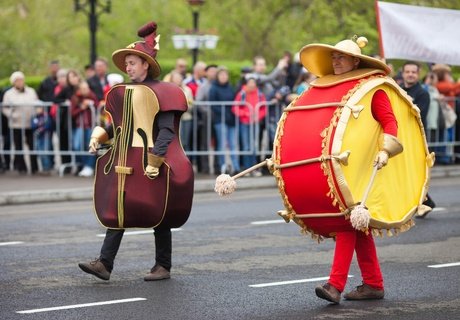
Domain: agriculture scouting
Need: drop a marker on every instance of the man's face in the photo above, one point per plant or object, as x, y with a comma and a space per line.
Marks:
100, 67
181, 66
136, 68
54, 67
343, 63
211, 73
260, 66
410, 75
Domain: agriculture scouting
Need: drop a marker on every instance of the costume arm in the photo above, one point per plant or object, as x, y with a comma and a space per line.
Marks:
389, 144
165, 124
383, 113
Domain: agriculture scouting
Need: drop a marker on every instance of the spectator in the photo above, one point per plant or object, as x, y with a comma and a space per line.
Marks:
279, 101
82, 105
249, 97
89, 71
99, 80
303, 82
46, 89
205, 130
42, 127
186, 124
242, 80
197, 78
435, 124
224, 120
451, 91
411, 84
112, 80
62, 115
18, 107
5, 161
180, 67
269, 83
293, 69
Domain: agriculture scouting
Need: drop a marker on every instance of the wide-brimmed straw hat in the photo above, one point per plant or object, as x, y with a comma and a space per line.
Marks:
146, 49
317, 58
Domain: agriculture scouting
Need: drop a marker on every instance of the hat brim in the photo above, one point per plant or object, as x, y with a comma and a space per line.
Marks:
317, 59
118, 58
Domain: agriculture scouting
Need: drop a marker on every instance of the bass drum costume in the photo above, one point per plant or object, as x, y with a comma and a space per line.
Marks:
342, 140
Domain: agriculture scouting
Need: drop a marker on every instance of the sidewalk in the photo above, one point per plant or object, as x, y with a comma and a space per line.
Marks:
20, 189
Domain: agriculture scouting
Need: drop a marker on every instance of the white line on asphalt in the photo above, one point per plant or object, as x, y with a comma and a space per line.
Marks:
268, 222
445, 265
133, 233
439, 209
74, 306
10, 243
281, 283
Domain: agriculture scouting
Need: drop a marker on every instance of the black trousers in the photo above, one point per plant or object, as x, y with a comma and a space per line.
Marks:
163, 247
19, 162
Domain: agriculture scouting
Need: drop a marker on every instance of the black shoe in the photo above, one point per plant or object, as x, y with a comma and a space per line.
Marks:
96, 268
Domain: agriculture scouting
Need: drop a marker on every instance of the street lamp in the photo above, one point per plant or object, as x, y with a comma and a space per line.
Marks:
195, 5
194, 40
92, 19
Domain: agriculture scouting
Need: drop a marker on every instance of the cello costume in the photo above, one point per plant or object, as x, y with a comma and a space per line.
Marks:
324, 149
145, 120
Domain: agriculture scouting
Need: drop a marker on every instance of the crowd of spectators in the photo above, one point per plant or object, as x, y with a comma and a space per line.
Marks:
236, 121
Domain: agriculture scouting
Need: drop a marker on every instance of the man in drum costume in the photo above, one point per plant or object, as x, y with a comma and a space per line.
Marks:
340, 165
144, 179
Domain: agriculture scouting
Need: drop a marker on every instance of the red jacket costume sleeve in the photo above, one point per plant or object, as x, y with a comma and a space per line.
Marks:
383, 113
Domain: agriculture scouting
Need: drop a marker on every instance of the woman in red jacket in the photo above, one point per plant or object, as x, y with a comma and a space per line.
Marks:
249, 112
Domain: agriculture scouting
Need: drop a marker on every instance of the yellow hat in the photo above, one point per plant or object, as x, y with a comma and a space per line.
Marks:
317, 59
146, 49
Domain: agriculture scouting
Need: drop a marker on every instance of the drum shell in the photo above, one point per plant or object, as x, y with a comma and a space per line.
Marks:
330, 189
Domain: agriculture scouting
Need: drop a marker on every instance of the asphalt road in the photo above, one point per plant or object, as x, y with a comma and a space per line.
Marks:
234, 259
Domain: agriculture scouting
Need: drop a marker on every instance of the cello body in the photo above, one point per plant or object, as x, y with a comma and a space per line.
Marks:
124, 197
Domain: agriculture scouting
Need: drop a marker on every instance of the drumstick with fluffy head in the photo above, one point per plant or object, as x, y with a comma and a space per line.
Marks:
360, 216
226, 184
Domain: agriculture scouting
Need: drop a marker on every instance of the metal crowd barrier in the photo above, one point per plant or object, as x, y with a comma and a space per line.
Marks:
62, 134
198, 142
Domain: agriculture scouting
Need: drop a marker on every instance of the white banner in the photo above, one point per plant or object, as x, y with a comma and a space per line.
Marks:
419, 33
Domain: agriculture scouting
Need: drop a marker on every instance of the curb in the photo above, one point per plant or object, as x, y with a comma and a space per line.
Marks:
75, 194
201, 186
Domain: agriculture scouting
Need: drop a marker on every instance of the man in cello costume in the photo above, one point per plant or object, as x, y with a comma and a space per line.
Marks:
152, 166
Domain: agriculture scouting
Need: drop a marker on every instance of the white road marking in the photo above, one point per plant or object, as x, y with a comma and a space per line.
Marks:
439, 209
133, 233
268, 222
74, 306
10, 243
445, 265
281, 283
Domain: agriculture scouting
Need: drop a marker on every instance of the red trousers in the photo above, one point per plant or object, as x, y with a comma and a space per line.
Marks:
346, 243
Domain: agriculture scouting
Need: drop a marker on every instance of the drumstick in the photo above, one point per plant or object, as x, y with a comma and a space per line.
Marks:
226, 184
360, 216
